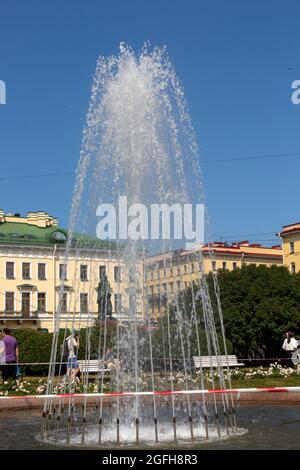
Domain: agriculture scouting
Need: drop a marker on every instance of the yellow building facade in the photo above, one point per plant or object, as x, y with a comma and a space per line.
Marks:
35, 279
290, 236
172, 272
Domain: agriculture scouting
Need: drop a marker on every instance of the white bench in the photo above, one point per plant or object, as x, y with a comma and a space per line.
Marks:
91, 366
215, 361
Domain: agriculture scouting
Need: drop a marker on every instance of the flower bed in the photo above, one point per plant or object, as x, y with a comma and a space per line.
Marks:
274, 375
38, 386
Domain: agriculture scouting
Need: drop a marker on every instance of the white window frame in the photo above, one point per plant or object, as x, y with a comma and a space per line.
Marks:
67, 303
30, 300
46, 273
87, 304
87, 272
26, 278
66, 272
37, 301
4, 309
14, 273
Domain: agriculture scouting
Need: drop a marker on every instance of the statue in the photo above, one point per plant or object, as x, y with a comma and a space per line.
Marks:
103, 299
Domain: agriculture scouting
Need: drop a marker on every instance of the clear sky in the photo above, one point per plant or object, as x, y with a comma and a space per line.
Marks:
235, 59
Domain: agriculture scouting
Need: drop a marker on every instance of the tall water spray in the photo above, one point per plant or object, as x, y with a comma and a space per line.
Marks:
138, 148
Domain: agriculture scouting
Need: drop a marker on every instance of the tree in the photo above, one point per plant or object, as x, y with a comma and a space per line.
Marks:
259, 304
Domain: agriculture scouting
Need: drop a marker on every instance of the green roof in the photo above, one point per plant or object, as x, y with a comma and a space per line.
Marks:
23, 233
86, 241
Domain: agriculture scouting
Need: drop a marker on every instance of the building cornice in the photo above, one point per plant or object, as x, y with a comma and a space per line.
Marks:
289, 232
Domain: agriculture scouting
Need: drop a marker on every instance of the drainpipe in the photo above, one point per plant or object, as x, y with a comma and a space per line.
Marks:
282, 247
54, 285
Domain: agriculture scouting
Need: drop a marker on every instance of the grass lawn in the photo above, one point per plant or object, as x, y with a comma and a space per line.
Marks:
292, 381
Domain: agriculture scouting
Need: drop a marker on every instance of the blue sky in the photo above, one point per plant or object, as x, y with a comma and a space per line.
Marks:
235, 59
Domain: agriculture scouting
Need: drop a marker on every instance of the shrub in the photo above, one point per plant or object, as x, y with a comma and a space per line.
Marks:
35, 347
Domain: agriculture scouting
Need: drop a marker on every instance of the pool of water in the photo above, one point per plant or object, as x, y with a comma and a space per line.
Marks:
268, 427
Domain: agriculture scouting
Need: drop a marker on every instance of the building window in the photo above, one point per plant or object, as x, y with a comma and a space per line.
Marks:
83, 303
178, 285
224, 265
117, 274
26, 270
42, 271
178, 271
83, 272
132, 274
192, 267
102, 272
164, 272
64, 302
62, 272
184, 267
151, 276
26, 304
234, 265
10, 270
214, 265
9, 302
41, 302
118, 303
293, 268
292, 247
132, 304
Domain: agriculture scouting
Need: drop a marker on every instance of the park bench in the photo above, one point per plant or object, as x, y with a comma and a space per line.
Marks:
92, 366
215, 361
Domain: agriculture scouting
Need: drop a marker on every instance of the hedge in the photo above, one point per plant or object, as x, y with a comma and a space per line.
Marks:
35, 346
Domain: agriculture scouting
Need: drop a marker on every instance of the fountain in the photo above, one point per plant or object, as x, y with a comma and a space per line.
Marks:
139, 147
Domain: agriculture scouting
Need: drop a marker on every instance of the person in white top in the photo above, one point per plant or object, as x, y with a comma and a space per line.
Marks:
72, 364
290, 345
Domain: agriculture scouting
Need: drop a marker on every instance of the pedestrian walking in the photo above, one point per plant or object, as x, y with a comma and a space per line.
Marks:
9, 369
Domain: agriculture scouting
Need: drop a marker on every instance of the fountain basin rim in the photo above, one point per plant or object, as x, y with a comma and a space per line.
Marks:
282, 395
162, 393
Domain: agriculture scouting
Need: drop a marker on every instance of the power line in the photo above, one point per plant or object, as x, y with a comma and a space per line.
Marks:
220, 160
257, 157
248, 235
252, 240
40, 175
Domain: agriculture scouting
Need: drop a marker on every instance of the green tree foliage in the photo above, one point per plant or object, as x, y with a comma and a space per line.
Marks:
259, 304
96, 340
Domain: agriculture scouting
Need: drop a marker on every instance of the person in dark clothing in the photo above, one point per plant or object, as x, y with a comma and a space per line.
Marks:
9, 369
